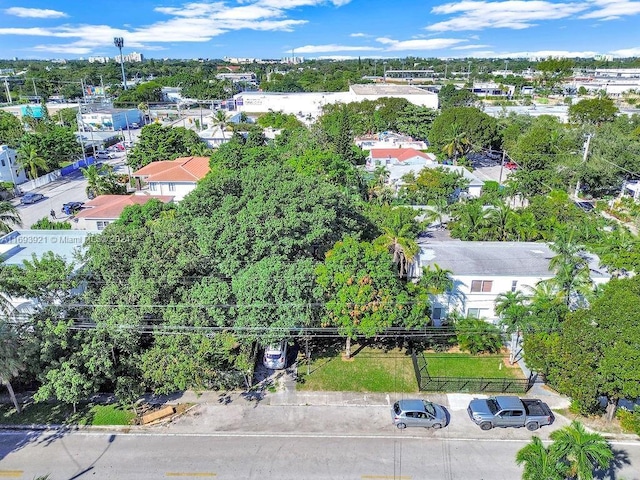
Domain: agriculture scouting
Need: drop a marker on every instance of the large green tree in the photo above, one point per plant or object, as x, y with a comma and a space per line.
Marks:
363, 295
157, 142
593, 111
481, 130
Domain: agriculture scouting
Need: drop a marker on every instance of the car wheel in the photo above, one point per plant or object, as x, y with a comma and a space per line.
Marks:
401, 426
532, 426
486, 426
436, 426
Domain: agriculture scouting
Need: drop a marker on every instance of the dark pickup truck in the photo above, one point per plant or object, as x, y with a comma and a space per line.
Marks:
506, 411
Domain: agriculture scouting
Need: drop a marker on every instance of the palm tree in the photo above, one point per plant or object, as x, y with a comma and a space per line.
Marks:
540, 462
470, 220
10, 363
512, 309
399, 241
221, 120
9, 216
436, 281
29, 160
94, 180
570, 266
458, 143
497, 220
582, 450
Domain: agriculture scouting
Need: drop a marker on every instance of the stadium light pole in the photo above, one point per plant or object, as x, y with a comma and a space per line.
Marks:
119, 42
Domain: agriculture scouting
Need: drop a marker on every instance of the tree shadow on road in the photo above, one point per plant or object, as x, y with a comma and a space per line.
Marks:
620, 460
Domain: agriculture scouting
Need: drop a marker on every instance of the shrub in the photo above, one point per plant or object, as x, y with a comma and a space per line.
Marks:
630, 420
46, 224
477, 336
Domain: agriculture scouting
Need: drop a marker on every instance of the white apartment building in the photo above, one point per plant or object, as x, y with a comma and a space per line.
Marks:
9, 169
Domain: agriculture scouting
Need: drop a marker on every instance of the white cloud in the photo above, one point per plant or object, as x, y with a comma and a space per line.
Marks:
334, 48
198, 21
421, 44
34, 12
612, 9
536, 54
469, 47
627, 52
513, 14
356, 35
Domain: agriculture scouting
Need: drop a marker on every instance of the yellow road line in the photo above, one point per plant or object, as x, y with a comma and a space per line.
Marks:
11, 473
190, 474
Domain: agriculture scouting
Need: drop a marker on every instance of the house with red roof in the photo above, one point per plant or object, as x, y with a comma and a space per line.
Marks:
96, 214
175, 178
387, 157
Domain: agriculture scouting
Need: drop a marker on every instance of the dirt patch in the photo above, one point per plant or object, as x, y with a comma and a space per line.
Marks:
596, 422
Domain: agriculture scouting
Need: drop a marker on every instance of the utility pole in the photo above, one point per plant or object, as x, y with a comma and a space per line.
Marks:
585, 154
84, 96
504, 154
35, 90
6, 86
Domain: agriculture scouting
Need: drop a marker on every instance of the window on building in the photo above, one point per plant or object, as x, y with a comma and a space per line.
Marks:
483, 286
101, 224
172, 187
152, 187
436, 314
477, 312
514, 285
3, 164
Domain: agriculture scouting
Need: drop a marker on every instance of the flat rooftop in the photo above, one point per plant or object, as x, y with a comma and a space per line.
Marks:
522, 259
387, 89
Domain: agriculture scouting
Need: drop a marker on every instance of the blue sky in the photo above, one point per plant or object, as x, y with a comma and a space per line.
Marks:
320, 28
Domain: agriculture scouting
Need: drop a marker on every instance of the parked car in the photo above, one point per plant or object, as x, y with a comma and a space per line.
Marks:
128, 144
508, 411
275, 356
511, 166
105, 154
31, 197
418, 413
134, 125
586, 206
71, 208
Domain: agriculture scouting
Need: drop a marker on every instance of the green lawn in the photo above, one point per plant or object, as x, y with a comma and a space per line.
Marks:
370, 370
60, 414
467, 365
377, 370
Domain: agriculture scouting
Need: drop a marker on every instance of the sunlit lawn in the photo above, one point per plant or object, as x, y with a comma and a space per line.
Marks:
370, 370
467, 365
377, 370
62, 414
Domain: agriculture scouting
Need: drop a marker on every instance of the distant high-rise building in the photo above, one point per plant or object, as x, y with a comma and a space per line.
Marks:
99, 59
133, 57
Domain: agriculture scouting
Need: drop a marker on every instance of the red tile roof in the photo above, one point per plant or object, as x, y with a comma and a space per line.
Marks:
401, 154
108, 207
184, 169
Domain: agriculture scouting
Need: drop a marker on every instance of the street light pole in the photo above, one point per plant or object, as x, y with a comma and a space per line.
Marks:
119, 42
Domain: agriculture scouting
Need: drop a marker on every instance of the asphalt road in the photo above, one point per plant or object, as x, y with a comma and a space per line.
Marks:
396, 455
70, 188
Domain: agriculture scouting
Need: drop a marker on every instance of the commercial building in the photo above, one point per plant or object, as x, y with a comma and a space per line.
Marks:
111, 119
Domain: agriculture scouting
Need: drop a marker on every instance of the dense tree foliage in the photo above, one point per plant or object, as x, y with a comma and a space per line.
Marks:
157, 142
479, 128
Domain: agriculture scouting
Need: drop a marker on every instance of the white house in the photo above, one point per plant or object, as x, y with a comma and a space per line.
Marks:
96, 214
174, 178
483, 270
9, 169
389, 140
402, 161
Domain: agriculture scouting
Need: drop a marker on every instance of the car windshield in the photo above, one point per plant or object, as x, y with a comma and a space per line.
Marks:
396, 408
493, 406
274, 356
429, 408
